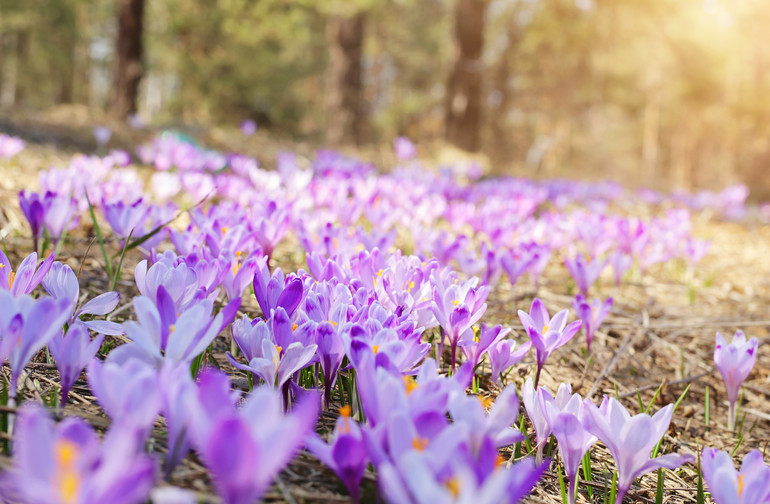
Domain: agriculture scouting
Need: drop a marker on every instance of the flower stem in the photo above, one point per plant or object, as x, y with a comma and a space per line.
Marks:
731, 417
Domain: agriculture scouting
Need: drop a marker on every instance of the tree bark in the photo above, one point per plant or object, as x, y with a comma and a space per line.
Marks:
463, 101
346, 109
128, 58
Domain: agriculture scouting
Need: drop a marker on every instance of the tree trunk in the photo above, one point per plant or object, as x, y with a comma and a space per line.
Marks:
463, 102
128, 58
346, 109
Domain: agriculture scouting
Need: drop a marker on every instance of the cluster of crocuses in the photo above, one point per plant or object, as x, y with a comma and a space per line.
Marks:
361, 331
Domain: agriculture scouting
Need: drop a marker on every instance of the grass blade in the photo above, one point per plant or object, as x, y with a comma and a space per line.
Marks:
659, 491
116, 277
98, 231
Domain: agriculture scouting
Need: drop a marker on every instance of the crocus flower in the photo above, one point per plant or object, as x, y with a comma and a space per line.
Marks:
276, 365
504, 354
26, 326
60, 215
248, 127
546, 333
734, 362
27, 277
102, 134
584, 271
728, 486
245, 449
10, 146
179, 280
277, 290
592, 314
72, 352
515, 265
405, 149
61, 283
457, 307
533, 400
630, 440
33, 207
126, 391
241, 274
475, 346
176, 384
330, 353
574, 440
345, 454
127, 218
67, 464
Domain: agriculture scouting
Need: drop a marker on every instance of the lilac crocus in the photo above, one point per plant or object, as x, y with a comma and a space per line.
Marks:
60, 215
72, 352
66, 463
245, 449
27, 277
277, 290
727, 486
33, 207
345, 454
630, 440
546, 333
405, 149
584, 271
127, 218
574, 440
475, 346
26, 326
330, 353
276, 365
61, 283
10, 146
126, 391
504, 354
734, 362
533, 400
592, 314
248, 127
241, 274
456, 308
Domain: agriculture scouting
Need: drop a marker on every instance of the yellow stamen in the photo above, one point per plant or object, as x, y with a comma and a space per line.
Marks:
411, 286
486, 402
333, 323
455, 302
379, 273
67, 479
345, 411
224, 230
410, 384
375, 349
277, 357
453, 485
171, 328
545, 329
499, 461
11, 278
294, 327
419, 443
740, 485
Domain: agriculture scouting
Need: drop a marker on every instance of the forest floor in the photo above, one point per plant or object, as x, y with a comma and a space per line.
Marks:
660, 332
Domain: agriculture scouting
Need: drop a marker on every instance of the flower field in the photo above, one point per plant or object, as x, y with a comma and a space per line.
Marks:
183, 325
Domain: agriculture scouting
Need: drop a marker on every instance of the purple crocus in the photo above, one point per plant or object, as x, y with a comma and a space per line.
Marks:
345, 454
405, 149
533, 400
27, 277
515, 265
72, 352
504, 354
330, 353
241, 274
126, 391
245, 449
276, 365
60, 215
475, 346
10, 146
33, 207
61, 283
277, 290
546, 333
584, 271
127, 218
26, 326
592, 314
456, 308
176, 384
67, 464
734, 362
630, 440
574, 440
728, 486
248, 127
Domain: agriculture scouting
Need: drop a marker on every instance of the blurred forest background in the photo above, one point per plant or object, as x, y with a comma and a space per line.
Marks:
662, 93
